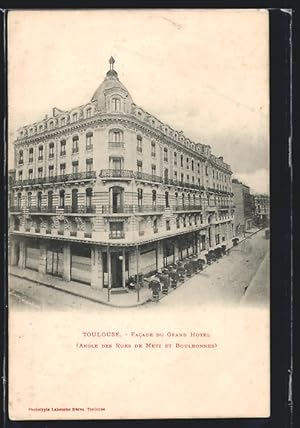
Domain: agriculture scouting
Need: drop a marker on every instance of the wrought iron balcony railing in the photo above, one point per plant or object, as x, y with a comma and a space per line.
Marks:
87, 234
85, 175
148, 177
15, 209
80, 209
116, 173
43, 209
117, 234
187, 208
115, 144
122, 209
73, 233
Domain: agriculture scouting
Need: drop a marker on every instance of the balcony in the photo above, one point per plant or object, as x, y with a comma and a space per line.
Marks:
116, 234
211, 208
155, 230
73, 233
75, 150
60, 232
150, 208
37, 230
15, 209
86, 175
80, 209
223, 207
51, 155
89, 147
115, 145
187, 208
88, 235
148, 177
141, 232
122, 209
42, 210
116, 173
48, 231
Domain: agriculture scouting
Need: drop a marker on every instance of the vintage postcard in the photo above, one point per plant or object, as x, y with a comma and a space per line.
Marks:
138, 214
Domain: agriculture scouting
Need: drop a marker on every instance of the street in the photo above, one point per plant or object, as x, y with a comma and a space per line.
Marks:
240, 277
26, 295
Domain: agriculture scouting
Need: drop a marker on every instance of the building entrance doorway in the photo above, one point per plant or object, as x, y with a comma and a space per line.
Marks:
54, 262
116, 270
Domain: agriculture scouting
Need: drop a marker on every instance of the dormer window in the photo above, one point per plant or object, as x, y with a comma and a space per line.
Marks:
75, 117
63, 121
51, 125
88, 112
116, 104
41, 128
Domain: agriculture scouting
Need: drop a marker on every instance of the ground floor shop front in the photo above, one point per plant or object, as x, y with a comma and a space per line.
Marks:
102, 266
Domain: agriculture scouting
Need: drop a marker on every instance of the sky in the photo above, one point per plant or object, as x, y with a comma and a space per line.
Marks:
204, 72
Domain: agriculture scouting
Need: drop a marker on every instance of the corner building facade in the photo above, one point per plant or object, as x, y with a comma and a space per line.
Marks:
106, 190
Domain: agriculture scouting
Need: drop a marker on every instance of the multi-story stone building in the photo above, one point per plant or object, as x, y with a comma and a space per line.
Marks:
106, 190
262, 209
243, 201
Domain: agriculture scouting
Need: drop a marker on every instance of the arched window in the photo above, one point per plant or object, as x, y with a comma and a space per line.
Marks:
89, 198
21, 157
154, 195
139, 143
51, 125
116, 136
61, 199
165, 154
75, 146
167, 199
89, 112
19, 200
30, 159
50, 201
29, 199
153, 149
41, 151
116, 104
39, 200
140, 198
175, 158
74, 201
62, 147
89, 140
51, 150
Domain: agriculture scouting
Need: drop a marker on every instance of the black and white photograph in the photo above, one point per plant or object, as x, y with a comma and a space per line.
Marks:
138, 213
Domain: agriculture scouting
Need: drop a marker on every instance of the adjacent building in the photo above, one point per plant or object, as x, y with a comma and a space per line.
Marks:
262, 209
106, 190
244, 207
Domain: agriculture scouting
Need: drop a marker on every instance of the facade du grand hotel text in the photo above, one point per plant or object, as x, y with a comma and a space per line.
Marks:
106, 190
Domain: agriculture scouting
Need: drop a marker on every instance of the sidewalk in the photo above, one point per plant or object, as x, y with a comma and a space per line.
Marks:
124, 300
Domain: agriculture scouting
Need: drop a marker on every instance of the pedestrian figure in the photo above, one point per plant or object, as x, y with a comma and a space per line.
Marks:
155, 286
165, 279
174, 278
